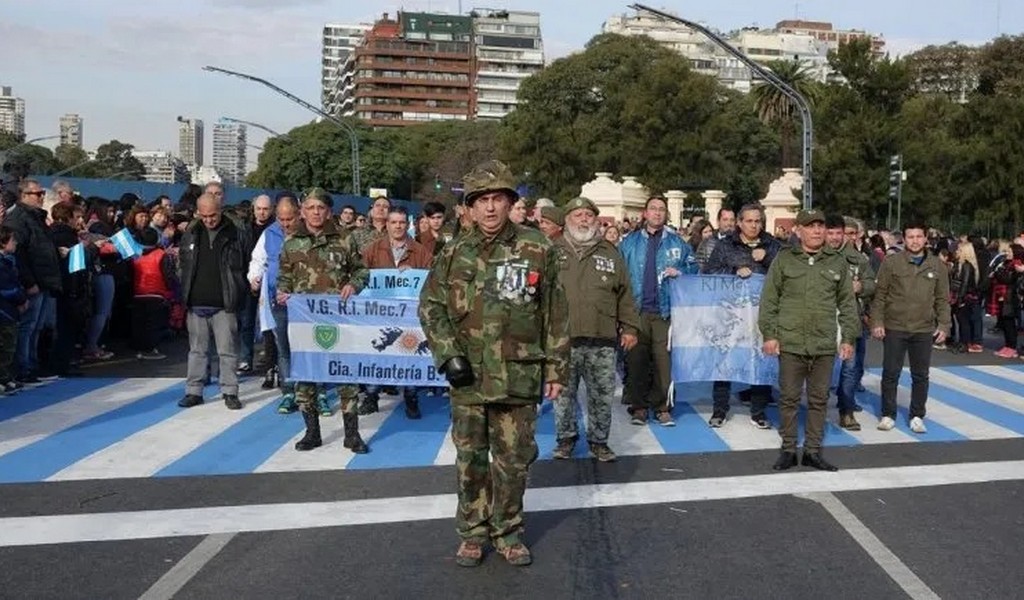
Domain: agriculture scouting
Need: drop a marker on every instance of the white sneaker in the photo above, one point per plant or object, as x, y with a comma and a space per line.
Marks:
886, 424
917, 425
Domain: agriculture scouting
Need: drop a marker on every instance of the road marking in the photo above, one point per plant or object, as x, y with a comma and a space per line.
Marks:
62, 529
996, 396
137, 455
18, 432
960, 421
188, 567
890, 563
1004, 372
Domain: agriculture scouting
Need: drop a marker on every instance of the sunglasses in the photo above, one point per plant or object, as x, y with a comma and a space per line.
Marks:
37, 193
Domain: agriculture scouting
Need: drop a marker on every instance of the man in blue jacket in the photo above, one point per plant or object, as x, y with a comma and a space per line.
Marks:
653, 254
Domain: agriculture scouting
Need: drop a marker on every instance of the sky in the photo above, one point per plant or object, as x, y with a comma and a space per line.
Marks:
129, 68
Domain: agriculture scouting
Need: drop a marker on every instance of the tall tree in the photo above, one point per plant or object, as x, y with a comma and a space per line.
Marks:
115, 158
774, 107
1001, 67
950, 70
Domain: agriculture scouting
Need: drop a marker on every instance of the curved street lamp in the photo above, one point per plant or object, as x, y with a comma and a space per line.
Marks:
353, 138
773, 80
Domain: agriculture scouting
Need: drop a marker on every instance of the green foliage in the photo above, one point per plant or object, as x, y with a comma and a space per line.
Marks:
114, 159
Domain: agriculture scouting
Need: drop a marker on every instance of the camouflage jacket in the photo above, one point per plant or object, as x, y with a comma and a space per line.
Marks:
364, 236
500, 304
320, 264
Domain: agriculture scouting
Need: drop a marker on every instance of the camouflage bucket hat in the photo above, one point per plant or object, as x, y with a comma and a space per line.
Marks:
490, 176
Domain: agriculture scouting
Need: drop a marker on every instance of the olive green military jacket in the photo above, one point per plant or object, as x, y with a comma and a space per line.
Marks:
597, 286
364, 236
860, 270
799, 302
911, 298
498, 303
320, 264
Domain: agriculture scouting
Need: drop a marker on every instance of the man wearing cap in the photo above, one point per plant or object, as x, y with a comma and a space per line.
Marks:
320, 258
496, 319
596, 284
551, 222
376, 228
805, 287
840, 235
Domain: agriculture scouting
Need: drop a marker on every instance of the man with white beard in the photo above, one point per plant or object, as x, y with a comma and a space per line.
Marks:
596, 284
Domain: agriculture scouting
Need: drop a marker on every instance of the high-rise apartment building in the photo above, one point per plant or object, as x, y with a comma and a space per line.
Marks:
229, 151
416, 68
12, 112
806, 42
337, 45
162, 166
190, 141
509, 48
71, 130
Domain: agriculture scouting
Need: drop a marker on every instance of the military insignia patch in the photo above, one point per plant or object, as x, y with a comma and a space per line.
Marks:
325, 336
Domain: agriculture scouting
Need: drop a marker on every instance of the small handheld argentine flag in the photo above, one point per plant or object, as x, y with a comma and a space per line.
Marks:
76, 258
125, 244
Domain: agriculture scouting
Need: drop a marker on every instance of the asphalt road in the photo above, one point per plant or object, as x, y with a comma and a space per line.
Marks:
899, 520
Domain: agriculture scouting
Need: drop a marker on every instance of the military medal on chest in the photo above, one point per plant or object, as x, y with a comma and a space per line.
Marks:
516, 283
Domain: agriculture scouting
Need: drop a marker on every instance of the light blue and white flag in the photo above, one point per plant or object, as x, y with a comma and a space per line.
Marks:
266, 306
76, 258
125, 244
714, 330
392, 283
373, 338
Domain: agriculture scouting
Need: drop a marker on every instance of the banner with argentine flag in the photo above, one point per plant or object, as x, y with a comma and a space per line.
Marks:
714, 333
373, 338
125, 244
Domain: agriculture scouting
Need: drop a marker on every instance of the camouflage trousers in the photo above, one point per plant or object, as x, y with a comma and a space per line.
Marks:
596, 367
305, 397
495, 446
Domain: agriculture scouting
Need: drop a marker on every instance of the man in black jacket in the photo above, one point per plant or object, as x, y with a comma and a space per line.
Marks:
39, 270
212, 263
744, 252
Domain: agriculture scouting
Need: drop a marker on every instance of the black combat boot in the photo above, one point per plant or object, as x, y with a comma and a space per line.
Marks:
312, 438
352, 440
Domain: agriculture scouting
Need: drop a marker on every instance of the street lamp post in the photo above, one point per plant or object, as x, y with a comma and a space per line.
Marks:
773, 80
353, 138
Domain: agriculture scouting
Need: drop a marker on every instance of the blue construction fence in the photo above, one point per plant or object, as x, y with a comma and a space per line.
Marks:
112, 189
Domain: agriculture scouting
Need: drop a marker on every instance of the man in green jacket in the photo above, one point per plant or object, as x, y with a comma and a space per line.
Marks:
910, 312
806, 286
596, 283
496, 319
839, 235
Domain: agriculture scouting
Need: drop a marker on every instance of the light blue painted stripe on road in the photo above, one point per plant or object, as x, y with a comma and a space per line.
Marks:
937, 432
402, 442
240, 448
691, 434
834, 435
32, 399
991, 412
56, 452
989, 379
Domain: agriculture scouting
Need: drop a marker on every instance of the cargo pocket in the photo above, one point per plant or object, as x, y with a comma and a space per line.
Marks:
525, 379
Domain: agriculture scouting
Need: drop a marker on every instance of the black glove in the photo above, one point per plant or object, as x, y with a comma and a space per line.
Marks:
458, 372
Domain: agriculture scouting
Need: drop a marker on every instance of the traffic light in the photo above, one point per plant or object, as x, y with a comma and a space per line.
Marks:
437, 183
895, 176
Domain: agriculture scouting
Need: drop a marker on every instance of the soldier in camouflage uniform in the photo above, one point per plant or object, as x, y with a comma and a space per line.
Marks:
376, 226
320, 258
596, 284
496, 318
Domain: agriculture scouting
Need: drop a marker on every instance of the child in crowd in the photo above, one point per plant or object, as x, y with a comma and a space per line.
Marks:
154, 284
13, 301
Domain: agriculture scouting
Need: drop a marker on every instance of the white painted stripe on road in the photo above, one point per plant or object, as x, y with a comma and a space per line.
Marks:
964, 423
912, 585
188, 567
446, 453
996, 396
869, 433
150, 450
626, 439
18, 432
332, 457
1002, 372
63, 529
738, 432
